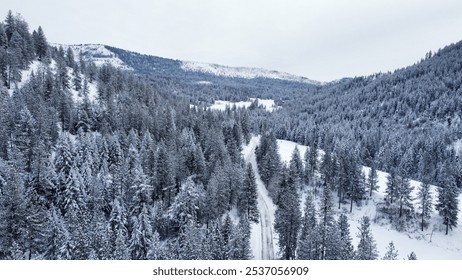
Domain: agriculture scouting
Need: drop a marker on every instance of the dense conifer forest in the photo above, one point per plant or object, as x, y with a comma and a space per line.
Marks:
98, 162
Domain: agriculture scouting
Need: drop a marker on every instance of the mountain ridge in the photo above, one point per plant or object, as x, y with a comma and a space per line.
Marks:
101, 53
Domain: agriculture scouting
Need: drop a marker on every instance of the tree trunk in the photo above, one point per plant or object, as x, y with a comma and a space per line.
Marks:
423, 220
400, 209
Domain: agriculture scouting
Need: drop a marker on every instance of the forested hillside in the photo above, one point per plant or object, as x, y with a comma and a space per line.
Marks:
404, 122
113, 177
128, 161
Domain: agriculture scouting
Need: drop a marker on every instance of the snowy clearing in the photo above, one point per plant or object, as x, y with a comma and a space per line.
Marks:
221, 105
204, 83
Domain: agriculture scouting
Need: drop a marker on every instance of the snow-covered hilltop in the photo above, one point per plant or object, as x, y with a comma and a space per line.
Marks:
242, 72
97, 53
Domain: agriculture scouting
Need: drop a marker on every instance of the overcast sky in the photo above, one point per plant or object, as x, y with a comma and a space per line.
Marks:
323, 40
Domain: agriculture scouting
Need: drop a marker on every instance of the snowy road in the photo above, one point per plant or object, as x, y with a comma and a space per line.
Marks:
262, 239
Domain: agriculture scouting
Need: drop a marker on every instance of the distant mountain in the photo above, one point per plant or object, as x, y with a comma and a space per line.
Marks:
195, 72
243, 72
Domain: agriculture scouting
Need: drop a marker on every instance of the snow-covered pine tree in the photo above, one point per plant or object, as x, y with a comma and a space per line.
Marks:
121, 246
425, 203
117, 230
226, 234
287, 216
194, 243
25, 138
140, 239
63, 162
308, 241
448, 203
412, 256
222, 189
187, 205
391, 253
372, 180
247, 196
392, 188
326, 223
155, 250
325, 168
311, 161
403, 194
217, 249
77, 81
164, 176
43, 176
41, 45
296, 167
346, 246
16, 61
367, 247
36, 226
245, 126
140, 214
59, 243
13, 211
357, 186
240, 241
268, 158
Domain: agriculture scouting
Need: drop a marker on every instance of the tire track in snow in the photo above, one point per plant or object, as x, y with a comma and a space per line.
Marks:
265, 225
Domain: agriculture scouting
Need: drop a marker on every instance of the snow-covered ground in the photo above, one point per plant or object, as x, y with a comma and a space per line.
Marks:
457, 146
431, 244
221, 105
78, 96
37, 67
242, 72
204, 83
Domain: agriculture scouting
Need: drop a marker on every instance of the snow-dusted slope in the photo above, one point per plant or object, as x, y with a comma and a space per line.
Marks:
242, 72
432, 243
37, 67
97, 53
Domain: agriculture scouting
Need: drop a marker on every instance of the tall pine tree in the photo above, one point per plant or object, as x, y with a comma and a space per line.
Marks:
287, 217
448, 203
367, 247
425, 203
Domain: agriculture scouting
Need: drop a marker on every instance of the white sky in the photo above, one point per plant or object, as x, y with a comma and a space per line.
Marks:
320, 39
